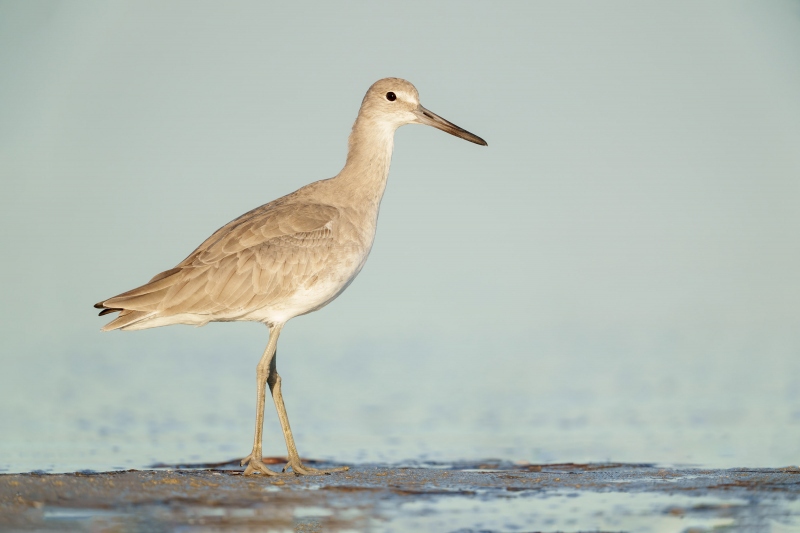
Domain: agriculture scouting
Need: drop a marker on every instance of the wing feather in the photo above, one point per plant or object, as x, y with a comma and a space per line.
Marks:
254, 260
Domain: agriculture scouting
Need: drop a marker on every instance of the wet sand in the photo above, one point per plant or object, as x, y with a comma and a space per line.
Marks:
492, 496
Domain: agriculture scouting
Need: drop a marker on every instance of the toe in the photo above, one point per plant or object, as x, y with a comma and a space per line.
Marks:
297, 468
302, 470
254, 466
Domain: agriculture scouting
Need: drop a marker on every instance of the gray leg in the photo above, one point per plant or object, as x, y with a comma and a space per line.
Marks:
296, 465
253, 461
267, 374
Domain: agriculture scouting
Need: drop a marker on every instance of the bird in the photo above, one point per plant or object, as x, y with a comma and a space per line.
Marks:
286, 258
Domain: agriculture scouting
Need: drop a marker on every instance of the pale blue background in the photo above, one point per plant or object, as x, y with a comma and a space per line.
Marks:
616, 277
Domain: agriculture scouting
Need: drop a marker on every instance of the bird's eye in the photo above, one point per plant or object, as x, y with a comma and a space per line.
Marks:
391, 96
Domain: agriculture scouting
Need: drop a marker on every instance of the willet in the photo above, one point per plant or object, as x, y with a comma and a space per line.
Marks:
289, 257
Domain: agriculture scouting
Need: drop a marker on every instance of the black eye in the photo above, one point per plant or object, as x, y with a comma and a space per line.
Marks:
391, 96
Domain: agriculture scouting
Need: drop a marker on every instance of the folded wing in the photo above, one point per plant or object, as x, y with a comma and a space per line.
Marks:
256, 260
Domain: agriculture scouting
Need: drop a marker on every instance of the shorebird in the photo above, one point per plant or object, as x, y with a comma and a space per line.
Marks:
286, 258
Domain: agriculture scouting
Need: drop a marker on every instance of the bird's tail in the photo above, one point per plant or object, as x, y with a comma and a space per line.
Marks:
126, 317
138, 304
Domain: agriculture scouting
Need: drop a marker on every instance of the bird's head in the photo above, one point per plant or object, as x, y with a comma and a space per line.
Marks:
395, 102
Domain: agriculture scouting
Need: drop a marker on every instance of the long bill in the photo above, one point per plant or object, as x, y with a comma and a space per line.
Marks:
432, 119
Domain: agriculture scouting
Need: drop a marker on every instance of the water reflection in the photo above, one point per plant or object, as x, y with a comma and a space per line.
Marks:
566, 511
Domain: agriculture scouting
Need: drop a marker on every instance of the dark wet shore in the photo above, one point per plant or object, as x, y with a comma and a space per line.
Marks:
492, 496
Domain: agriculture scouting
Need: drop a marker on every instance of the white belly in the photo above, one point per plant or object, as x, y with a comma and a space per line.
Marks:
306, 299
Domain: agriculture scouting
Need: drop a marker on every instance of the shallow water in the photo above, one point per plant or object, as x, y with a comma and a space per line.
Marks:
565, 512
568, 511
723, 404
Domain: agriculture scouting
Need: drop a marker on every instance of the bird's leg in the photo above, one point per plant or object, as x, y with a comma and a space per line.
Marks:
294, 463
254, 460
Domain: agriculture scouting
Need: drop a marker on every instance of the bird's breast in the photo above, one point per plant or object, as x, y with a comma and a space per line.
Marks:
326, 275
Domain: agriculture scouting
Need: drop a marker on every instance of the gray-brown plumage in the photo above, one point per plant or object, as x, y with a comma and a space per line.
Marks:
288, 257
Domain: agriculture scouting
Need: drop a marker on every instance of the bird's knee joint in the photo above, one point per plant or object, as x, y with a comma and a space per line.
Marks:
274, 379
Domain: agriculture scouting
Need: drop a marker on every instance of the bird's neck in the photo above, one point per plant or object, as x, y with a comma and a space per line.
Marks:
368, 158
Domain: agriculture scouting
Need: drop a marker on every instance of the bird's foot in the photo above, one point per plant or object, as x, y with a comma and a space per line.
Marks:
300, 469
256, 465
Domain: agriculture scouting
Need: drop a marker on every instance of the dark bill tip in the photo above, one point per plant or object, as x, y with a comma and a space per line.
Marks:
432, 119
